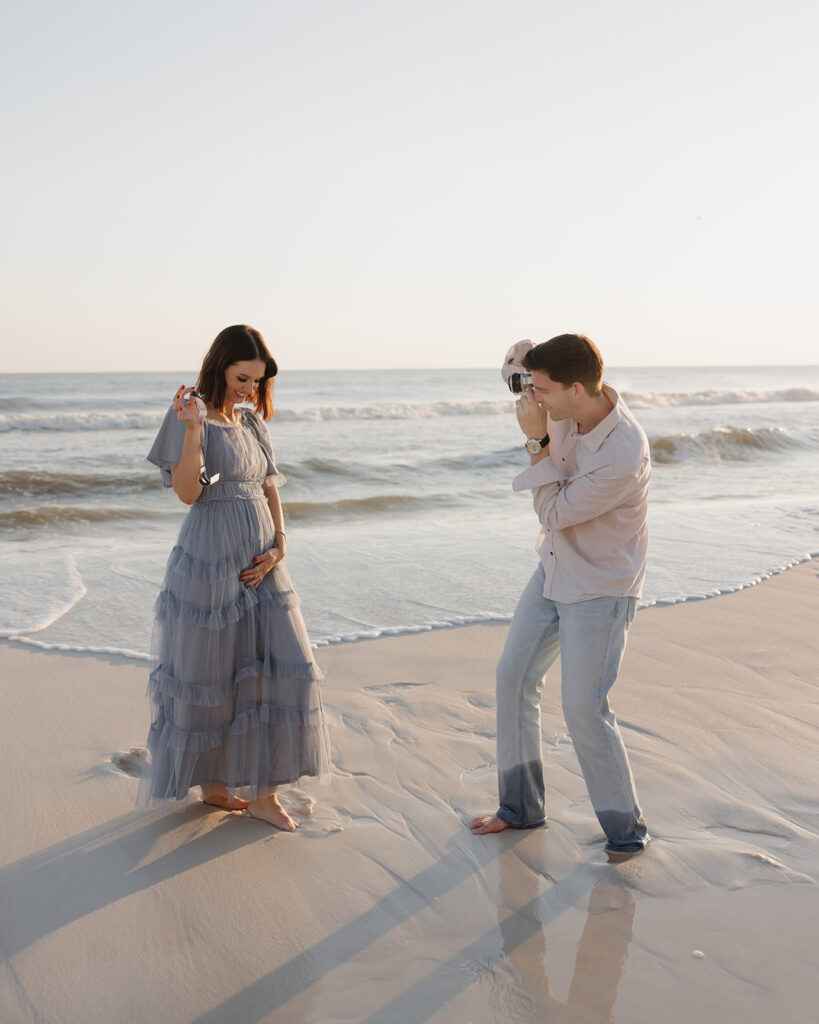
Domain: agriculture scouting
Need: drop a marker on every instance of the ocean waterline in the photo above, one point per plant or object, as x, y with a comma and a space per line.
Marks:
399, 504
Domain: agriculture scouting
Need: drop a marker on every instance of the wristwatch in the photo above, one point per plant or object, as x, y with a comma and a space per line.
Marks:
533, 446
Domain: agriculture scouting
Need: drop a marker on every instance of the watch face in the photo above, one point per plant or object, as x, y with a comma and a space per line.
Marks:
533, 446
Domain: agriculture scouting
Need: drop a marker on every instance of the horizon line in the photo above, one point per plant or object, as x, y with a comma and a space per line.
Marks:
406, 369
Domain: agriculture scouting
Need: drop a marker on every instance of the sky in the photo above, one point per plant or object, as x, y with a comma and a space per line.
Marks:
376, 183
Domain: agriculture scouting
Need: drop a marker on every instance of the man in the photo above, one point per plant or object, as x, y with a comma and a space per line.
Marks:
589, 475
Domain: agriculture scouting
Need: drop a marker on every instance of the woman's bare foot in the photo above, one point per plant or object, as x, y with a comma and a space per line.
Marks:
218, 796
486, 823
268, 808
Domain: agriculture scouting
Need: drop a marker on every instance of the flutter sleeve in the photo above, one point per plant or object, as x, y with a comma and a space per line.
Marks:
259, 428
166, 450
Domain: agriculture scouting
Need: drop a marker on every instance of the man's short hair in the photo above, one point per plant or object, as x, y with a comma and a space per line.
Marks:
568, 358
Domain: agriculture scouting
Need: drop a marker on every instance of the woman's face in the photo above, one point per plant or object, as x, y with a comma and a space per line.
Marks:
241, 380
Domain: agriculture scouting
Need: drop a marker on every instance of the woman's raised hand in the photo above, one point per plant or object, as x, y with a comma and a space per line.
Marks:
186, 411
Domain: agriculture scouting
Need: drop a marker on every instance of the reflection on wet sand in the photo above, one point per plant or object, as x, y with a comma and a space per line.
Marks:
522, 992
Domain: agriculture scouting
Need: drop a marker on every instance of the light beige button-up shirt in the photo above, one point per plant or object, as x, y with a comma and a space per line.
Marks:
590, 494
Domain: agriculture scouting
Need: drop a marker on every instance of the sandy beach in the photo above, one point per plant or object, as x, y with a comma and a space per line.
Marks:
384, 908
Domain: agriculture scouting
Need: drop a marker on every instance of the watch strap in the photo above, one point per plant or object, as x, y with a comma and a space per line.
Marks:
534, 441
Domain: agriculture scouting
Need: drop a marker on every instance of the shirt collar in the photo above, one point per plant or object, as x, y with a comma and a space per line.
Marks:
596, 437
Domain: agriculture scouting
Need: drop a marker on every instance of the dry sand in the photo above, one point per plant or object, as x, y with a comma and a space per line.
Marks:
384, 908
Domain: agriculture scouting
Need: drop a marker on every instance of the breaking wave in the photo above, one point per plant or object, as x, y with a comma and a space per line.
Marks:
315, 414
377, 503
48, 515
43, 485
665, 400
729, 443
70, 421
150, 420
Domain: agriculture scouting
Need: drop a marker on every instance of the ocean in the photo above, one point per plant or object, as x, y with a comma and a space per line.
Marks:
399, 505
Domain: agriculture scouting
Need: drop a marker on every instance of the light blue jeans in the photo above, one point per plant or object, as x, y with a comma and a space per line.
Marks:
590, 637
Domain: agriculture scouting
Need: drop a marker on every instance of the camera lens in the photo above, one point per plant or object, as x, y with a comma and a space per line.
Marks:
519, 382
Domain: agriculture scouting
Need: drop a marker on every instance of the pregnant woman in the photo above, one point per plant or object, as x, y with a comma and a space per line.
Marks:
234, 687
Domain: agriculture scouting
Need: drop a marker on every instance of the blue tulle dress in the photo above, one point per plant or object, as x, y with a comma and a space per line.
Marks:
234, 687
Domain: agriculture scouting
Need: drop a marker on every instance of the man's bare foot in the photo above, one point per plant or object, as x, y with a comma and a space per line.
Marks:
486, 823
269, 809
618, 856
218, 796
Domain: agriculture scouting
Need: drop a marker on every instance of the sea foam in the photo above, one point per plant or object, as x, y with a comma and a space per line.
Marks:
51, 588
730, 443
71, 421
93, 420
665, 400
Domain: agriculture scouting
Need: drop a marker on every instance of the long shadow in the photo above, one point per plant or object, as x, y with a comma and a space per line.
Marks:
599, 962
428, 995
272, 991
520, 939
67, 881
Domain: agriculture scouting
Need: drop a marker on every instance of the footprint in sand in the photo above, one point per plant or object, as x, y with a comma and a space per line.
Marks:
300, 803
131, 762
387, 687
480, 702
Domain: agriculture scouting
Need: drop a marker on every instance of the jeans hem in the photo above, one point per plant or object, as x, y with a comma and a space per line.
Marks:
634, 847
512, 824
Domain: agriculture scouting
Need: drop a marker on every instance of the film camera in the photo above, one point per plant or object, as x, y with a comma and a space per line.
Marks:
519, 382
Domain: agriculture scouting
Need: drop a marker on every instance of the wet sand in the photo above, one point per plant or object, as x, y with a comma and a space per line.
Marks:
383, 907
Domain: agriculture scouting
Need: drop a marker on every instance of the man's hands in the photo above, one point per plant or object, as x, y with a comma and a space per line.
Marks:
532, 415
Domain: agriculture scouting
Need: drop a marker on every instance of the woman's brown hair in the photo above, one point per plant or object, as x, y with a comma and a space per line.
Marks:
236, 345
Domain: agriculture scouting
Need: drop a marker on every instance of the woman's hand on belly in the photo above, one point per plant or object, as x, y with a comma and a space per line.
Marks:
262, 565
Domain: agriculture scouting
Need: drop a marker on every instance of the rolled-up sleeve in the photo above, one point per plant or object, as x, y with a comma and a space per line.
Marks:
544, 480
